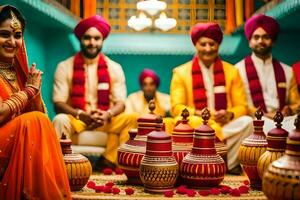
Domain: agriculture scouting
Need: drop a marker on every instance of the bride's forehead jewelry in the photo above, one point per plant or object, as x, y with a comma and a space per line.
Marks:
15, 23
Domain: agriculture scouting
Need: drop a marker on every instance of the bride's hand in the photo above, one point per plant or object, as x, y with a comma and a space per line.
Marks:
34, 78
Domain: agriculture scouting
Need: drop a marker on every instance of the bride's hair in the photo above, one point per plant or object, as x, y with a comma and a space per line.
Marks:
6, 14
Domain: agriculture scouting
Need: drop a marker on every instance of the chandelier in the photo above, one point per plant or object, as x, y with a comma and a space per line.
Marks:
148, 11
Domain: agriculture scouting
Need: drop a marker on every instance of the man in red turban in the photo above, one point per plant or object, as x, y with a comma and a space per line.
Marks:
269, 83
207, 81
137, 102
89, 93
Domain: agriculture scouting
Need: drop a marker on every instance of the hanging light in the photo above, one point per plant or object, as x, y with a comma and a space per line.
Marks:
152, 7
164, 23
139, 23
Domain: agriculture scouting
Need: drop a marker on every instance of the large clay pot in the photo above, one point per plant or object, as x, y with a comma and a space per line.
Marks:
203, 167
251, 149
182, 137
158, 169
282, 178
276, 139
79, 168
131, 153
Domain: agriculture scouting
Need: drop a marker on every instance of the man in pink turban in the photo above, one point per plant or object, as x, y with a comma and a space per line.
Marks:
89, 93
137, 102
269, 83
209, 82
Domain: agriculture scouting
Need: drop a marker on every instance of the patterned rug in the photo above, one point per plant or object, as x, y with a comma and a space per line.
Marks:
119, 181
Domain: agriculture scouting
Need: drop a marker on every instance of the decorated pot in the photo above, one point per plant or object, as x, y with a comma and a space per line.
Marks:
251, 149
222, 149
276, 139
282, 178
158, 169
203, 167
79, 168
182, 137
131, 153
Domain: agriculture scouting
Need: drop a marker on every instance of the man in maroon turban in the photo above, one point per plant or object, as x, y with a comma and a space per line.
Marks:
90, 92
207, 81
269, 83
137, 102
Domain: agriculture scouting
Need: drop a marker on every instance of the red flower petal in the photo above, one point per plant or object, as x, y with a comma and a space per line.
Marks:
99, 188
181, 189
225, 189
110, 184
107, 171
215, 191
190, 192
91, 184
119, 171
235, 192
204, 192
115, 190
169, 193
107, 189
129, 191
244, 189
246, 182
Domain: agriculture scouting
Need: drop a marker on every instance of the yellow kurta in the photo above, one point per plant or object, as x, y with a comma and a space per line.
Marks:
182, 90
136, 103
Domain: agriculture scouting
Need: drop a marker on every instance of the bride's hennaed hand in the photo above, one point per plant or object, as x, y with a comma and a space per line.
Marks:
34, 78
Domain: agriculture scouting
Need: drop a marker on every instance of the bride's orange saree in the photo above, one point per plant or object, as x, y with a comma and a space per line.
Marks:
31, 162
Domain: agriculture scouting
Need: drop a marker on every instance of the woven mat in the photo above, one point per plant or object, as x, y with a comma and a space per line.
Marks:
139, 194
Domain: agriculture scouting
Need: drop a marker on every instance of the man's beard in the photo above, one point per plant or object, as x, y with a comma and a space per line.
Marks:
84, 50
262, 51
149, 96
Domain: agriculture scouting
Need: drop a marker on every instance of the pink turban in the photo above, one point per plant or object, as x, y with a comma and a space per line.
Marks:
149, 73
95, 21
210, 30
269, 24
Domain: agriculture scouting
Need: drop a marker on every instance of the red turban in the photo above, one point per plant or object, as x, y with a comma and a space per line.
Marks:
210, 30
269, 24
95, 21
149, 73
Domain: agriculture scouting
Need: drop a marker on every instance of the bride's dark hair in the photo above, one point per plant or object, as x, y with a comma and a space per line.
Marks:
6, 14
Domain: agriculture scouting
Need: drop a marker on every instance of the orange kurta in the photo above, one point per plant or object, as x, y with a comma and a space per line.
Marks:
31, 162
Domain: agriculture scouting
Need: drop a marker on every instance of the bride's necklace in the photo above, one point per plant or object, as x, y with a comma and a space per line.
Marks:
8, 73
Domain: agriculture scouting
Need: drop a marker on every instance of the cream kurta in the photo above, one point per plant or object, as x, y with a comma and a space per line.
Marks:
63, 82
136, 103
266, 75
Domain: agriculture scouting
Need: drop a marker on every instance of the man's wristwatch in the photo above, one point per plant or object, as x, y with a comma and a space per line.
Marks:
79, 111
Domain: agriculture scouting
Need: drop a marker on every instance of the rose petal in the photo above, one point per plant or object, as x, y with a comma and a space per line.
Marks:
246, 182
235, 192
119, 171
107, 171
225, 189
110, 184
99, 188
107, 189
129, 191
204, 192
215, 191
181, 189
91, 184
115, 190
244, 189
169, 193
190, 192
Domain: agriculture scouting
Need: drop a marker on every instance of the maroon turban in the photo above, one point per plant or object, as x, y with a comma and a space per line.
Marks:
95, 21
269, 24
210, 30
149, 73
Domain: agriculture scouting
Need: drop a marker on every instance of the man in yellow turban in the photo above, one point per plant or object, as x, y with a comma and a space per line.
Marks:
207, 81
89, 91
